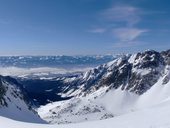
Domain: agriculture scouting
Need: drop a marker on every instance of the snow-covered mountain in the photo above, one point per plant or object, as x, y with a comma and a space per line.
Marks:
127, 92
124, 85
14, 103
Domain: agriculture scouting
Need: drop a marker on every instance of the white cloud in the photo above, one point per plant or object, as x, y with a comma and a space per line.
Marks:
125, 19
128, 34
128, 14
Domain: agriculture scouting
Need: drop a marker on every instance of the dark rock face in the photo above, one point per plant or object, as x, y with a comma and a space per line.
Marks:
166, 56
140, 84
2, 93
149, 59
150, 62
119, 76
2, 89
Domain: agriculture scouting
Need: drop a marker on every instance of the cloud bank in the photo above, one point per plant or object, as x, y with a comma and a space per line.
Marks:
122, 24
21, 72
128, 34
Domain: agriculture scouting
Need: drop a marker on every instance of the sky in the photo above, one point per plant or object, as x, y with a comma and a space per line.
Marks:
83, 27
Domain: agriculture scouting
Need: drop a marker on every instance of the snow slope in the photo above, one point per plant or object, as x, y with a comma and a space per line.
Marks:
14, 105
152, 117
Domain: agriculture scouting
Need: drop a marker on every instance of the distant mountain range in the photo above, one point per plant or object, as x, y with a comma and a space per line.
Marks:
54, 61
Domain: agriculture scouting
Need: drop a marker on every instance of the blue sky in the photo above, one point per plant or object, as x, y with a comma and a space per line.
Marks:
81, 27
